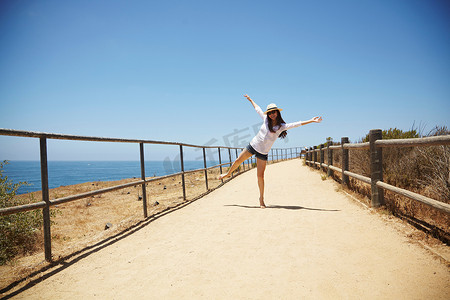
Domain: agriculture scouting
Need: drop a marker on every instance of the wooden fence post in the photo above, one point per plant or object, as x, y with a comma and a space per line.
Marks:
46, 199
322, 158
310, 156
376, 167
315, 157
330, 160
345, 179
144, 192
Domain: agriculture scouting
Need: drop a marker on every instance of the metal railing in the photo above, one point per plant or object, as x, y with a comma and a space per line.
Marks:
276, 155
375, 145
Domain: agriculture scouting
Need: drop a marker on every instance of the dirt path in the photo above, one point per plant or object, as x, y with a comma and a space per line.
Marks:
311, 242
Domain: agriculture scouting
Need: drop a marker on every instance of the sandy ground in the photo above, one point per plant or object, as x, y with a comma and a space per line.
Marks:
311, 242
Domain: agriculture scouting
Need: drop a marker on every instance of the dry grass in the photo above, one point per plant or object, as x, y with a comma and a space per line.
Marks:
81, 223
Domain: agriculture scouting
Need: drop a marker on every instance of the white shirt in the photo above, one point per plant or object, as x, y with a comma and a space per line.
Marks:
264, 140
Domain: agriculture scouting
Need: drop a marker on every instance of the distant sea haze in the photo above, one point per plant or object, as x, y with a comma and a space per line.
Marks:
62, 173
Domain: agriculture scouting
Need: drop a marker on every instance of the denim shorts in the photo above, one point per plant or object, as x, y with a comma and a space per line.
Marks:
256, 153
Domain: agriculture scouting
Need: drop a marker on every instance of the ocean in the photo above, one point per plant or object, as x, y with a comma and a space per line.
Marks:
62, 173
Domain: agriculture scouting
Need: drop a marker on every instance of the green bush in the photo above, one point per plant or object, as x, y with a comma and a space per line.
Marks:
424, 168
18, 232
399, 164
395, 133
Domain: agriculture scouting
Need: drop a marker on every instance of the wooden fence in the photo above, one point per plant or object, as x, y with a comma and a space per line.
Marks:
276, 155
375, 146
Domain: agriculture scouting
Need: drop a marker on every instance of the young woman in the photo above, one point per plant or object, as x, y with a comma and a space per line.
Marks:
273, 127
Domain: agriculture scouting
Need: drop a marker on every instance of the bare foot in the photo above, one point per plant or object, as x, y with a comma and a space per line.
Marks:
223, 176
261, 203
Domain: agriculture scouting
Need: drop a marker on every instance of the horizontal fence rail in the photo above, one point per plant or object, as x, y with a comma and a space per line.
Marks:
375, 145
277, 154
426, 141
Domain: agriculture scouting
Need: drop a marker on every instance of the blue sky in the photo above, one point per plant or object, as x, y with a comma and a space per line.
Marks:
177, 70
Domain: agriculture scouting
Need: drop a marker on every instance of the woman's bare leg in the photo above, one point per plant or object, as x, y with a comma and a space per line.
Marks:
260, 168
242, 157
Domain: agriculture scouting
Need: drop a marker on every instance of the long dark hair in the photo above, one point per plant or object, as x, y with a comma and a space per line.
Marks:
279, 121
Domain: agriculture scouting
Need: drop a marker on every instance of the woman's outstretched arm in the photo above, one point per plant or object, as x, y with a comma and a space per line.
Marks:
257, 108
301, 123
313, 120
251, 101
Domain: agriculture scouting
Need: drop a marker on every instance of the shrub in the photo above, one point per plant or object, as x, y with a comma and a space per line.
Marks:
399, 164
434, 168
18, 232
421, 169
395, 133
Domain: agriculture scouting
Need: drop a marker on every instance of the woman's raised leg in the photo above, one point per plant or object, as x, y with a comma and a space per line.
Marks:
241, 158
260, 169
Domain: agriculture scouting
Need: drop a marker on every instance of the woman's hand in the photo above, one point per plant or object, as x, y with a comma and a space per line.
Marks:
251, 101
313, 120
248, 98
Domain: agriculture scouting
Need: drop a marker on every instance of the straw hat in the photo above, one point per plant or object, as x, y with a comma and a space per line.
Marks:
272, 106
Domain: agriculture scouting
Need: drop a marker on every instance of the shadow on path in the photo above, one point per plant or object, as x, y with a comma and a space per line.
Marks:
290, 207
62, 263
